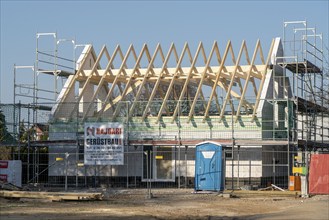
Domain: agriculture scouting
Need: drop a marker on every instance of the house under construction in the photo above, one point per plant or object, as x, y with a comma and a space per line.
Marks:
261, 103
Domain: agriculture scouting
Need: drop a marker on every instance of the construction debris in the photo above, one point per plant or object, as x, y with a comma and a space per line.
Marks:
272, 187
9, 186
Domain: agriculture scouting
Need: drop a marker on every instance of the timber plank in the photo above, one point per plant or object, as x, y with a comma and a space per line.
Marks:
54, 196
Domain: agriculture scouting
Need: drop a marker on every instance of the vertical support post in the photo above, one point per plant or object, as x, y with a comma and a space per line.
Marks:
238, 181
249, 171
288, 139
233, 143
150, 189
14, 86
127, 135
179, 140
179, 167
19, 129
14, 109
273, 168
186, 166
55, 66
66, 167
149, 193
34, 165
85, 169
77, 152
127, 184
28, 143
148, 172
95, 174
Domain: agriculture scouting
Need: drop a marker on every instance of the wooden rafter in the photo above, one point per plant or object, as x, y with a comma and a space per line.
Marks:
218, 74
102, 80
186, 49
200, 49
115, 81
179, 81
128, 84
203, 75
258, 47
93, 70
228, 93
172, 49
149, 69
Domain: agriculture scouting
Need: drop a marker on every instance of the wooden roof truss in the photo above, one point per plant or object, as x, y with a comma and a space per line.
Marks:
202, 76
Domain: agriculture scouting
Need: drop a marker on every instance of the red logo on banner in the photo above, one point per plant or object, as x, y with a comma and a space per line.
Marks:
3, 164
3, 177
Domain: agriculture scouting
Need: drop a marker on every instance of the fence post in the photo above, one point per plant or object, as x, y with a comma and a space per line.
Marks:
19, 129
95, 174
28, 143
186, 165
127, 138
273, 168
66, 157
238, 180
77, 150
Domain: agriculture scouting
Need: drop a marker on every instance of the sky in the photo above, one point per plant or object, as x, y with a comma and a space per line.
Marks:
137, 22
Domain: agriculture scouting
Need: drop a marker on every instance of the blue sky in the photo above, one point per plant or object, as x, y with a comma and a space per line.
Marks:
124, 22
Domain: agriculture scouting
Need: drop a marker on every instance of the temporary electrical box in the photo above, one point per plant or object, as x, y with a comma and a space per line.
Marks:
209, 167
294, 183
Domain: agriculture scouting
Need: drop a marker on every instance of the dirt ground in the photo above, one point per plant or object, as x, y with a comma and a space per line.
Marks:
172, 204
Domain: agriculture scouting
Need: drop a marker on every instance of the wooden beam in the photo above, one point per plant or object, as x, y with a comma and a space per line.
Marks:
203, 75
200, 48
119, 98
172, 82
102, 80
123, 65
218, 74
93, 70
247, 80
127, 87
149, 69
228, 92
54, 196
172, 49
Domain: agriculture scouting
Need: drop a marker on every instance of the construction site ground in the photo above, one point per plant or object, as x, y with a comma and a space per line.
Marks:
172, 204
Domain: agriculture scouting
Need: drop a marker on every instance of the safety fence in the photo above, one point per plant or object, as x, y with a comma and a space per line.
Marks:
52, 150
151, 166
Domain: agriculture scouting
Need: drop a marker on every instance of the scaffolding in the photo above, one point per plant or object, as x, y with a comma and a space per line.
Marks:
49, 62
305, 64
34, 95
31, 89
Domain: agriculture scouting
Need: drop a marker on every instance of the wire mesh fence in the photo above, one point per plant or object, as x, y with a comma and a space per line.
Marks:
152, 166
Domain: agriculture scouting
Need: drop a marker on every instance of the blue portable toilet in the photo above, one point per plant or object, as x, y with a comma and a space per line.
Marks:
209, 167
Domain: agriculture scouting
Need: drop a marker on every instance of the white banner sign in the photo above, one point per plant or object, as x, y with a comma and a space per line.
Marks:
103, 144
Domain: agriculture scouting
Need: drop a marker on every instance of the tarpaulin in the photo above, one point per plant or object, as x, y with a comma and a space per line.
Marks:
319, 174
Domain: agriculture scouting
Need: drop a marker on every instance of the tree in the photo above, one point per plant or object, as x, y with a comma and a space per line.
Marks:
5, 136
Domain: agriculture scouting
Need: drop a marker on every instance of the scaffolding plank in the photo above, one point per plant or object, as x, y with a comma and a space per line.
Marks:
302, 67
307, 106
61, 73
